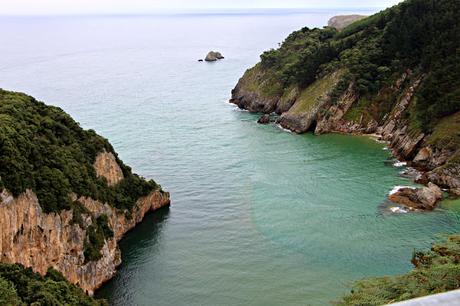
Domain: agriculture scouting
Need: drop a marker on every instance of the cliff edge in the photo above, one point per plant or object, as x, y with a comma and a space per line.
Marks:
66, 199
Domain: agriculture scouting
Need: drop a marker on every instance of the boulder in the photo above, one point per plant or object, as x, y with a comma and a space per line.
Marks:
423, 155
213, 56
424, 198
264, 119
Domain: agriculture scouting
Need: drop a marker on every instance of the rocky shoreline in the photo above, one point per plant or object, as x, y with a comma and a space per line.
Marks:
323, 116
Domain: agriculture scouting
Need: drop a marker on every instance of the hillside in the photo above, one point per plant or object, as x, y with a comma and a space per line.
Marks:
65, 196
435, 271
20, 286
395, 74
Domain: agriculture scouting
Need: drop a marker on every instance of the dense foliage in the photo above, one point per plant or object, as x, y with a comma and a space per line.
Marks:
437, 270
44, 149
421, 35
21, 286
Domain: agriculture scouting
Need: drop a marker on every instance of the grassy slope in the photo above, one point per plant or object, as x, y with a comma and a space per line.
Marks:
311, 95
437, 270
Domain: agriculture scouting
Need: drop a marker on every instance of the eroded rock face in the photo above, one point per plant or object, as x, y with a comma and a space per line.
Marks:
106, 166
424, 198
38, 240
447, 177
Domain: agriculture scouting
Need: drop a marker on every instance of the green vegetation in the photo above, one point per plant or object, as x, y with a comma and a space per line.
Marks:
21, 286
310, 96
44, 149
420, 35
437, 270
96, 234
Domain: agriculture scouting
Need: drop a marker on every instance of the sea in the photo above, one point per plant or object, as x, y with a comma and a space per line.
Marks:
259, 216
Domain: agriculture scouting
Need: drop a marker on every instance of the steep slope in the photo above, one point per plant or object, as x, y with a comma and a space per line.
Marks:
65, 197
395, 74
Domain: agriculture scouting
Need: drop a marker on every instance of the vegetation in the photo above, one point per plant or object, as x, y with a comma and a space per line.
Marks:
437, 270
97, 233
44, 149
420, 35
21, 286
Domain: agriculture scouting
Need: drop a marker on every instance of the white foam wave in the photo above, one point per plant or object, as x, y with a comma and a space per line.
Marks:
400, 164
286, 130
396, 189
398, 210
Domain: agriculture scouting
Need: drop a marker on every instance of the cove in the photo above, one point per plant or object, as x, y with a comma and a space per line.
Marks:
259, 216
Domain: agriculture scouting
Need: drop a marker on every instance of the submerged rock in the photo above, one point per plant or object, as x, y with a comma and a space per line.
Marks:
213, 56
264, 119
424, 198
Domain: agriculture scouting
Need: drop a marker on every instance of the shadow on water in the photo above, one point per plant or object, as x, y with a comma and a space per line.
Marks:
146, 236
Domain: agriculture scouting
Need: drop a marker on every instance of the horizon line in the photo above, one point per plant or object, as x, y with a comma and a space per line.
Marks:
197, 11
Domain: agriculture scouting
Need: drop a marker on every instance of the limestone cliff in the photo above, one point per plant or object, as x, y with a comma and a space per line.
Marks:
40, 240
106, 166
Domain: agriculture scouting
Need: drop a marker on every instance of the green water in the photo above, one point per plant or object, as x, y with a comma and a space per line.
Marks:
259, 216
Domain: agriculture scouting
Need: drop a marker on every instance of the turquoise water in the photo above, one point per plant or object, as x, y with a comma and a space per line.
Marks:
259, 216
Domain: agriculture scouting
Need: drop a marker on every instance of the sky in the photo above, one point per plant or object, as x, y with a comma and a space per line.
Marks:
40, 7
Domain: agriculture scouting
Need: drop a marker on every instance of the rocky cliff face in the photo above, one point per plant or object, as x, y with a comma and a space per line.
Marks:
39, 240
106, 166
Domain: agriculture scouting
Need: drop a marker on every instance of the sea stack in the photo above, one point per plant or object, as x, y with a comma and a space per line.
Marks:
213, 56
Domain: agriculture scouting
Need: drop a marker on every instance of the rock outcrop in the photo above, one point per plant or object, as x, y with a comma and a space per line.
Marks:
213, 56
424, 198
264, 119
341, 21
39, 240
106, 166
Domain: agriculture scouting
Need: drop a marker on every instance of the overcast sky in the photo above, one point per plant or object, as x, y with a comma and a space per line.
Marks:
19, 7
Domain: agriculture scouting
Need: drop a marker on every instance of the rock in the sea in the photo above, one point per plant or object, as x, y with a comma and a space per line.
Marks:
213, 56
264, 119
418, 198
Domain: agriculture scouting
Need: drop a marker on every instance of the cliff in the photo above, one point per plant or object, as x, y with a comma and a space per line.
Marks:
66, 199
394, 74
